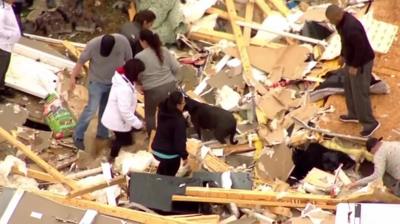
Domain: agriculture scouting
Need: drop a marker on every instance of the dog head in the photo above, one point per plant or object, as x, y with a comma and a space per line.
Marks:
190, 104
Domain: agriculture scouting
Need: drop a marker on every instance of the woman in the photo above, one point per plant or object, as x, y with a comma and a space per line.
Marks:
386, 160
158, 78
119, 115
131, 30
169, 144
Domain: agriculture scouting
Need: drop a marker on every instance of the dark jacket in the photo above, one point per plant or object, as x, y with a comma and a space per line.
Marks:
131, 30
170, 135
356, 49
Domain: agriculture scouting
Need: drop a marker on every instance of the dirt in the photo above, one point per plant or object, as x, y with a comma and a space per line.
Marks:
386, 107
110, 20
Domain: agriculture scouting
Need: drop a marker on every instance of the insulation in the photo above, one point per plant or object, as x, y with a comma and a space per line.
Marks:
133, 162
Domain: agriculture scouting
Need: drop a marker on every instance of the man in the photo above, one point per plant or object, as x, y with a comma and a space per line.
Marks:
386, 159
9, 35
358, 56
106, 53
143, 20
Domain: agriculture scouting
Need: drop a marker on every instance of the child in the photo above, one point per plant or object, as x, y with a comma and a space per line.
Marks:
169, 144
119, 115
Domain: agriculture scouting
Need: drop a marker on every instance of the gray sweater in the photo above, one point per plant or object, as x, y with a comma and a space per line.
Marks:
157, 74
387, 158
101, 69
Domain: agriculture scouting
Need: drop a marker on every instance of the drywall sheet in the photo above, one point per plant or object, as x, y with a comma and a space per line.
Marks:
275, 163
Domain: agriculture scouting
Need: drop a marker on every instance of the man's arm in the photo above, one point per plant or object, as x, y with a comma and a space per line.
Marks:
83, 58
379, 168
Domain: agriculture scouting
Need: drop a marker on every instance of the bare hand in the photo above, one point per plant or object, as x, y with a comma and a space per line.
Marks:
139, 88
353, 70
341, 61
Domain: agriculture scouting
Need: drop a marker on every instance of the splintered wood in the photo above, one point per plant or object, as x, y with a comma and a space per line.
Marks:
210, 162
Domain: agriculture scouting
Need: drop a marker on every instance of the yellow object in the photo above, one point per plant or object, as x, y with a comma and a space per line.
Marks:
355, 151
261, 118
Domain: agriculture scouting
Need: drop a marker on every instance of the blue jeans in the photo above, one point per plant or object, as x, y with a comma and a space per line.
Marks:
98, 97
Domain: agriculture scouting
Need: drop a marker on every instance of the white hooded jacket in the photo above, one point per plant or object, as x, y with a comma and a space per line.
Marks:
119, 114
9, 29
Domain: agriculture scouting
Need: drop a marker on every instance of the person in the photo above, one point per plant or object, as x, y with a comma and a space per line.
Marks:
143, 20
386, 159
119, 115
106, 53
358, 56
169, 144
9, 35
158, 78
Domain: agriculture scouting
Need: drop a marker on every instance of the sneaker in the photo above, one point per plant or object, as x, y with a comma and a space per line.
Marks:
347, 119
79, 143
369, 132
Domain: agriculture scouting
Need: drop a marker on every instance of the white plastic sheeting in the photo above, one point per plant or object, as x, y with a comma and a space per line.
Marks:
35, 78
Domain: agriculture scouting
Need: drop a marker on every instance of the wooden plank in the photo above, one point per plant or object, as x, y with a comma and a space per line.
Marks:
85, 173
255, 195
210, 162
281, 6
263, 6
249, 19
75, 53
83, 191
206, 219
247, 69
282, 33
39, 161
49, 40
222, 14
119, 212
214, 36
38, 175
247, 202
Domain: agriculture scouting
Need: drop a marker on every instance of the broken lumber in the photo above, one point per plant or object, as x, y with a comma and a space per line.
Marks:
280, 5
38, 175
222, 14
263, 6
282, 33
205, 219
234, 149
119, 212
210, 162
327, 132
115, 181
253, 198
85, 173
52, 40
216, 36
247, 202
248, 19
39, 161
241, 45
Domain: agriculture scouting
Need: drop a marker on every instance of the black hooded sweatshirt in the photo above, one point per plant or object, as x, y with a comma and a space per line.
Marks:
170, 138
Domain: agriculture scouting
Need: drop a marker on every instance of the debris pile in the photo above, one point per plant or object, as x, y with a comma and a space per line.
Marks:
272, 64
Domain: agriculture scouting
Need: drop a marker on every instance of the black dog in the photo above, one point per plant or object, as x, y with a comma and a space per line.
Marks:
204, 116
319, 157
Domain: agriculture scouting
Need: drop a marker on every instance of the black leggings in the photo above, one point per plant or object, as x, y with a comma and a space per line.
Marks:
121, 139
168, 167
